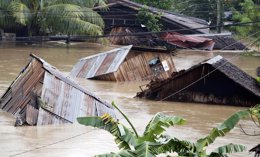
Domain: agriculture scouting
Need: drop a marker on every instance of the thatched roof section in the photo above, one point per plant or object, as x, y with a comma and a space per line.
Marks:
235, 74
215, 81
230, 70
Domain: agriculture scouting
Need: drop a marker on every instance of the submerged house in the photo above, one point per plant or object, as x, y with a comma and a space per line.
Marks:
214, 81
42, 95
123, 28
126, 64
120, 17
123, 13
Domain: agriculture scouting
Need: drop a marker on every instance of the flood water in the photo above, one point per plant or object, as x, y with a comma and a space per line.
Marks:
76, 140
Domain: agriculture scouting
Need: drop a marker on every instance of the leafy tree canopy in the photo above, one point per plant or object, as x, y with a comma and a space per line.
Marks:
249, 13
150, 20
51, 16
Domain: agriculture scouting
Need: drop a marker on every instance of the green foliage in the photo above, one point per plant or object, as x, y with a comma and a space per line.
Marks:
56, 16
250, 13
222, 129
158, 124
123, 136
230, 148
154, 141
150, 20
165, 4
258, 80
204, 9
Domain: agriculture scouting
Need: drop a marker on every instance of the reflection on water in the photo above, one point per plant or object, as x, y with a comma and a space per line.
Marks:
77, 140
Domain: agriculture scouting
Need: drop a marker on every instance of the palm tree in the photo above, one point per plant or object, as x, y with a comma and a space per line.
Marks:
52, 16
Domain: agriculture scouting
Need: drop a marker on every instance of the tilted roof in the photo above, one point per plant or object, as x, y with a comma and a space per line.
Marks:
100, 64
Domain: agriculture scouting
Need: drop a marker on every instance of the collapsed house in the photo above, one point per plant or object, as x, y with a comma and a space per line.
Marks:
214, 81
124, 28
123, 13
42, 95
121, 22
126, 64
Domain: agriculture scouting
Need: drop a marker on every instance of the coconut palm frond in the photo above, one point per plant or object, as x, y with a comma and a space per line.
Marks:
76, 26
20, 12
92, 17
82, 3
93, 3
61, 11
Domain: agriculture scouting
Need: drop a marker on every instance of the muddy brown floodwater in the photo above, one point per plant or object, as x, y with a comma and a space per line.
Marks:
76, 140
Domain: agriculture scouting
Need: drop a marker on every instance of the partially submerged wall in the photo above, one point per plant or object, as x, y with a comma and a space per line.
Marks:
138, 67
216, 82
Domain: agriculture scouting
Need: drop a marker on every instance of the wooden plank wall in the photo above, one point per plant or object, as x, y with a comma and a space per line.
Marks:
136, 67
31, 115
20, 93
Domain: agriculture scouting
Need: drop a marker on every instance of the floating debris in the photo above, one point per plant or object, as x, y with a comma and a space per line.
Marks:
188, 42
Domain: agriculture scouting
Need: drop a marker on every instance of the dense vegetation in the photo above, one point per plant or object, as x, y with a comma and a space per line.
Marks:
35, 17
249, 13
154, 141
150, 20
238, 11
165, 4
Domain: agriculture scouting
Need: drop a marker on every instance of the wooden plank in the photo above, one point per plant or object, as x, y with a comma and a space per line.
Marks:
86, 67
46, 118
103, 69
88, 107
101, 109
31, 115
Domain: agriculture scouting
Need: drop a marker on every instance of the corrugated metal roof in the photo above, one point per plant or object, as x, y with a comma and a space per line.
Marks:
43, 95
100, 64
181, 19
188, 41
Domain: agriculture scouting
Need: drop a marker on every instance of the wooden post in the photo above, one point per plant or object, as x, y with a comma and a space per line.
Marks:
219, 15
68, 39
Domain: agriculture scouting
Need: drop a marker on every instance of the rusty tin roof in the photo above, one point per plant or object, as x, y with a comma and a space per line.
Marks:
100, 64
62, 100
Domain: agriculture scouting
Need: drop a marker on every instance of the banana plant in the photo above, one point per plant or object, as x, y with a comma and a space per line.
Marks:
154, 141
